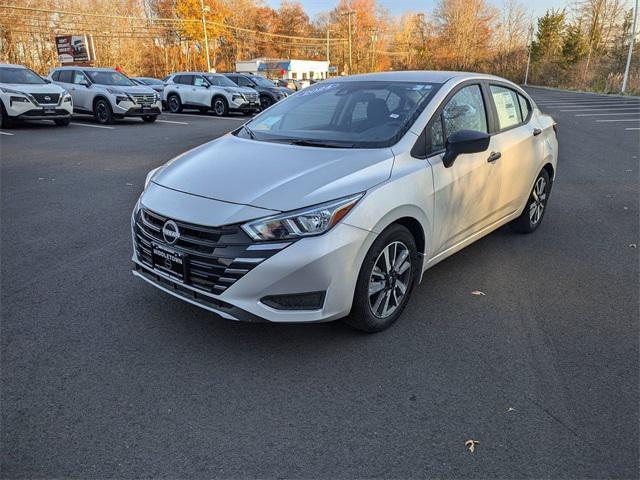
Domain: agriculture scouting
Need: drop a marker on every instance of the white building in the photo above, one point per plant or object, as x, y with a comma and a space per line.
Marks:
278, 68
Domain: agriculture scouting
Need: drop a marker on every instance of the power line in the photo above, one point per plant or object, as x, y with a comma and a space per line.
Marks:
171, 20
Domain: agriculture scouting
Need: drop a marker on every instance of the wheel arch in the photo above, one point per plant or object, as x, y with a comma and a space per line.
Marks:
100, 97
550, 170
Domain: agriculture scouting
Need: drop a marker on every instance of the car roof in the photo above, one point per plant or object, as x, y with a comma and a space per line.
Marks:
90, 69
195, 73
11, 65
431, 76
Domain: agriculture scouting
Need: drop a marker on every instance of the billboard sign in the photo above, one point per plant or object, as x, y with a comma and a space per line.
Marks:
74, 49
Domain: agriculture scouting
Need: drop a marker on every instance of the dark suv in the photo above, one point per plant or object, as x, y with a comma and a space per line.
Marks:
269, 93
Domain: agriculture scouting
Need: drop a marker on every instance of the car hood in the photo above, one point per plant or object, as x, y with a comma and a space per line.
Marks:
274, 176
30, 88
286, 90
244, 90
138, 89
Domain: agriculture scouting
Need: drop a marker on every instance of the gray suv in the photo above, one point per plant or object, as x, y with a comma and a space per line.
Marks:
107, 94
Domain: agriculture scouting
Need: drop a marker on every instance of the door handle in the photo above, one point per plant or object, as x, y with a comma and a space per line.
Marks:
536, 132
493, 157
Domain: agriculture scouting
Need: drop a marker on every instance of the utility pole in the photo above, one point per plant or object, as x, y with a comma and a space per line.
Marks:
327, 45
206, 37
349, 14
631, 42
526, 73
374, 39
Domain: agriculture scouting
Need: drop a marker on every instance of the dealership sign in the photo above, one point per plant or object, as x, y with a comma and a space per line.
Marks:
75, 48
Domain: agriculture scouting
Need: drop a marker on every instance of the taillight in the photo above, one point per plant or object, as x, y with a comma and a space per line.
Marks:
555, 129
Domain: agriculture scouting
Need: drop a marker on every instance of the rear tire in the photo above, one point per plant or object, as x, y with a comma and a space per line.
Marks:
102, 112
219, 107
536, 206
385, 281
62, 122
174, 103
149, 118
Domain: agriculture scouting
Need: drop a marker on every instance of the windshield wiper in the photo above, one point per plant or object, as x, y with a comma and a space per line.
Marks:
250, 132
320, 143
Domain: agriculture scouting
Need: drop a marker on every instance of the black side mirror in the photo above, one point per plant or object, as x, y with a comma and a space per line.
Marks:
464, 141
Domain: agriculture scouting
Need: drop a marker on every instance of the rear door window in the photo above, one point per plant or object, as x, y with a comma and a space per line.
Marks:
65, 76
507, 106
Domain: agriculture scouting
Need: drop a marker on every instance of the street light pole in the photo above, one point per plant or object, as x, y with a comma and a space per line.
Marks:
349, 14
631, 42
206, 37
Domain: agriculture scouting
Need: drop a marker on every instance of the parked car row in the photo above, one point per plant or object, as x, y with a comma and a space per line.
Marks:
108, 94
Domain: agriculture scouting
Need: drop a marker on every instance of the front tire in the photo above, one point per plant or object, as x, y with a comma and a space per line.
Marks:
5, 121
536, 206
385, 281
149, 118
219, 107
174, 103
265, 102
62, 122
102, 112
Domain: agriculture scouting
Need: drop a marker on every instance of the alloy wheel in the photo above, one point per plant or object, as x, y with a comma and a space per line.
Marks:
102, 113
218, 107
539, 195
389, 279
174, 106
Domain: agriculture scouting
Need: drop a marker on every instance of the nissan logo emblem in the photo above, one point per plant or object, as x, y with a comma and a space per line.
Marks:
170, 232
47, 98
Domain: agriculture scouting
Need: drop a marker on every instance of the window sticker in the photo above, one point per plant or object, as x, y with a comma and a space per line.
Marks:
316, 89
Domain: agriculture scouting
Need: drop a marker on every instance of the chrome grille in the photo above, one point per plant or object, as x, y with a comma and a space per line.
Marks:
46, 98
252, 97
144, 99
217, 256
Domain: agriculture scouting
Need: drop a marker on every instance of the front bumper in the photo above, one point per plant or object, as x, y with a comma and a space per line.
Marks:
244, 106
131, 109
29, 111
327, 263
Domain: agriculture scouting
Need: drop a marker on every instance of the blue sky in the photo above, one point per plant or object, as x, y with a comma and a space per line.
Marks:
397, 7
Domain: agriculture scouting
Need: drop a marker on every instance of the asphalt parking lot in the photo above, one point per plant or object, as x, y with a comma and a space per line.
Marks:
104, 376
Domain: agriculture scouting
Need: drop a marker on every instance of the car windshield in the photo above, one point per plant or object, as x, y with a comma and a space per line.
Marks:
109, 78
20, 75
151, 81
263, 82
351, 114
220, 81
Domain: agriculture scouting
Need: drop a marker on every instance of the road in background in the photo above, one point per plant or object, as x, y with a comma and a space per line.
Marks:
105, 376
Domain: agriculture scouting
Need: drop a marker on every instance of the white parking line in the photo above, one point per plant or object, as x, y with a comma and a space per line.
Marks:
586, 104
170, 121
632, 128
599, 109
621, 120
6, 133
601, 114
89, 125
242, 119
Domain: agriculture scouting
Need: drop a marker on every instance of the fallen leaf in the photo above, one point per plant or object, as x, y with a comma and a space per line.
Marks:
471, 444
478, 293
626, 208
633, 245
511, 409
129, 184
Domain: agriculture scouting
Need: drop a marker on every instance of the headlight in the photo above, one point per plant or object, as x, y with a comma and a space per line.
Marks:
15, 92
237, 96
150, 176
301, 223
115, 91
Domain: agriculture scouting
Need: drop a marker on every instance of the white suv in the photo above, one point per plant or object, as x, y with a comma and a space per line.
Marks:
25, 95
208, 91
107, 94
